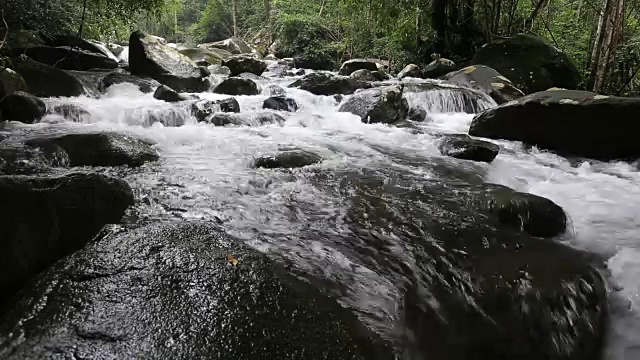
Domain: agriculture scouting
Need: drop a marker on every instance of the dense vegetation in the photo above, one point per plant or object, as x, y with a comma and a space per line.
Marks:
602, 37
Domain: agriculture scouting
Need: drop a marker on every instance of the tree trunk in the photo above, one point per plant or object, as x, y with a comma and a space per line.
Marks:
607, 39
234, 17
439, 24
324, 3
528, 25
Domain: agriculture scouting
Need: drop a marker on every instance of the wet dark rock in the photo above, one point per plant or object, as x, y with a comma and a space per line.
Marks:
20, 160
438, 67
211, 56
411, 70
531, 214
300, 72
487, 80
44, 219
566, 121
98, 149
237, 86
167, 94
314, 62
47, 81
328, 84
245, 119
204, 109
530, 62
68, 59
219, 70
71, 112
250, 76
75, 42
23, 107
149, 57
380, 76
289, 159
239, 64
378, 105
146, 85
417, 113
464, 147
280, 103
274, 90
187, 285
349, 66
10, 82
363, 75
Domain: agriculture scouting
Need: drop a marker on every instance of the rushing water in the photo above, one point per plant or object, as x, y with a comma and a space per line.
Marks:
206, 173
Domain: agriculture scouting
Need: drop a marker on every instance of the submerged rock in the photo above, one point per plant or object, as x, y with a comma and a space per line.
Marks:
274, 90
44, 219
328, 84
23, 107
487, 80
167, 94
280, 103
566, 121
98, 149
438, 67
245, 119
349, 66
150, 57
237, 86
239, 64
72, 112
10, 82
289, 159
204, 109
146, 85
464, 147
530, 62
47, 81
189, 285
378, 105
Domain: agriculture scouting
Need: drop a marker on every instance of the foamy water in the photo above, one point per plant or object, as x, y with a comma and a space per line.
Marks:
206, 173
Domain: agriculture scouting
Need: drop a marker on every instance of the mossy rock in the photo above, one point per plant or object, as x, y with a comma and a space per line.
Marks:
487, 80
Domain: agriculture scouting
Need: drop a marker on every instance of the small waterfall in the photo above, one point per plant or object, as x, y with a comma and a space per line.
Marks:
124, 55
453, 100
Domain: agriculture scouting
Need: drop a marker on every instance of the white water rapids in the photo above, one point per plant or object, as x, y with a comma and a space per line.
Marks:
205, 173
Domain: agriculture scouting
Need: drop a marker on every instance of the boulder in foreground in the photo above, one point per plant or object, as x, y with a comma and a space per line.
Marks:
571, 122
378, 105
23, 107
179, 291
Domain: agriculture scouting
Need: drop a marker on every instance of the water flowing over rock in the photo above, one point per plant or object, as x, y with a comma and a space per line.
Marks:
20, 106
257, 118
167, 94
329, 84
98, 149
10, 82
46, 81
150, 57
274, 90
204, 109
237, 86
71, 112
67, 58
146, 85
566, 121
132, 293
212, 56
445, 98
466, 148
233, 45
487, 80
349, 66
44, 219
378, 105
531, 63
280, 103
437, 68
288, 159
239, 64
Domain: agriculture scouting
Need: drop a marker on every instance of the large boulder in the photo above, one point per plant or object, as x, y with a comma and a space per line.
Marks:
288, 159
329, 84
212, 56
44, 219
233, 45
148, 56
46, 81
146, 85
237, 86
167, 94
530, 62
464, 147
365, 75
203, 110
178, 291
411, 70
567, 121
239, 64
97, 149
20, 106
10, 82
352, 65
67, 58
280, 103
487, 80
437, 68
378, 105
86, 45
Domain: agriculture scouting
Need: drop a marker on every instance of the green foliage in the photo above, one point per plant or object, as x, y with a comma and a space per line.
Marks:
309, 37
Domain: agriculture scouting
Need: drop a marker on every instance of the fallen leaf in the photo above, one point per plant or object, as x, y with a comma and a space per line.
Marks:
232, 260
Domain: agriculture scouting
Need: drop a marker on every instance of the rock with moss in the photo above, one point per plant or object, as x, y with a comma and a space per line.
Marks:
68, 58
148, 56
566, 121
378, 105
23, 107
212, 56
329, 84
487, 80
233, 46
10, 82
464, 147
530, 63
349, 66
46, 81
437, 68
